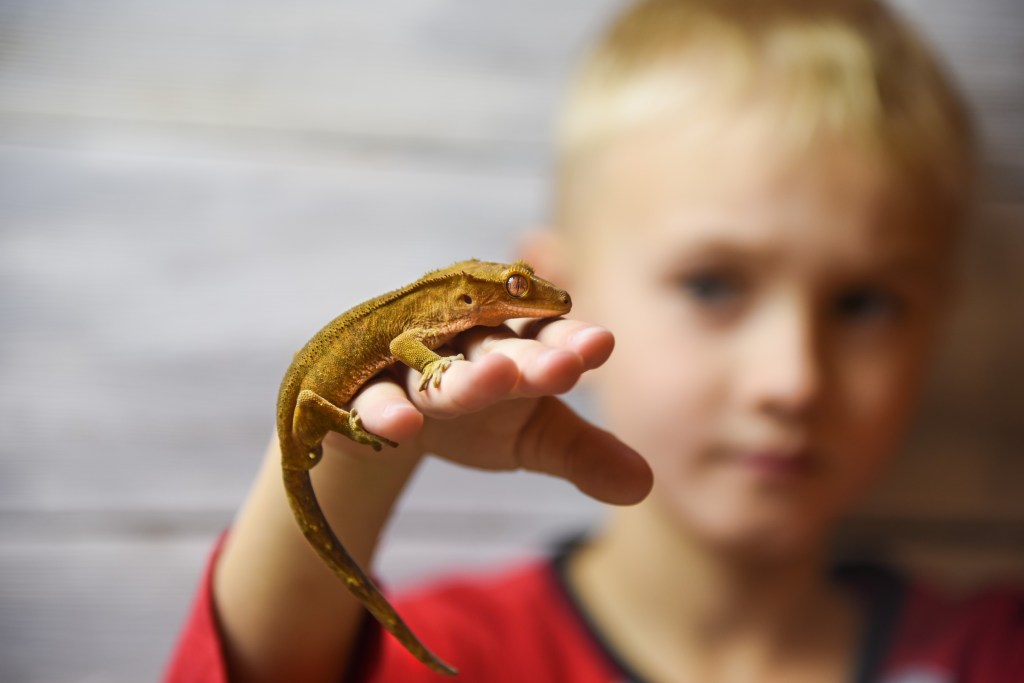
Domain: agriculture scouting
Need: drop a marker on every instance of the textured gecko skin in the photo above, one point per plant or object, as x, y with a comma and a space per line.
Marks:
404, 325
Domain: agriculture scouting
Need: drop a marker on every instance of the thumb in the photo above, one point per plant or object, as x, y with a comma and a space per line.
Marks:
557, 441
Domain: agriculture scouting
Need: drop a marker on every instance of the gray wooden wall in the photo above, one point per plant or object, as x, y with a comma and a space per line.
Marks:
189, 189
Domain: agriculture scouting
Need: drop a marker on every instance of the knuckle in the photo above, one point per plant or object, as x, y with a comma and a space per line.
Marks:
537, 446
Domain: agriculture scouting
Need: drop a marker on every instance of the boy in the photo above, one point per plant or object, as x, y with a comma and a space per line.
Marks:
760, 200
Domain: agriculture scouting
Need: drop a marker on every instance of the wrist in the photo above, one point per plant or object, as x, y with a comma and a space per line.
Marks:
352, 476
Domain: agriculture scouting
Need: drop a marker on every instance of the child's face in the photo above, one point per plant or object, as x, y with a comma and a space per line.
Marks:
771, 324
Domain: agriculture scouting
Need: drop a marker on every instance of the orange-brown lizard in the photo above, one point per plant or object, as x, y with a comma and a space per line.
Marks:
404, 325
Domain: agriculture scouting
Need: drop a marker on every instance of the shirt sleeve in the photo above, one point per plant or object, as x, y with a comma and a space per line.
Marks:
198, 656
507, 626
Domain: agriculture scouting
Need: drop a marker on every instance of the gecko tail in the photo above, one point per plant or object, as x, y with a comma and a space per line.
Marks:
317, 531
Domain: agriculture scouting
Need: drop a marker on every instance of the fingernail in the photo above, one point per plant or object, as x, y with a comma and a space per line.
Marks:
391, 409
586, 333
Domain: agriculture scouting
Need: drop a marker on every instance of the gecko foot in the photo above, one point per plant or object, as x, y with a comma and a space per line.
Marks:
358, 433
434, 369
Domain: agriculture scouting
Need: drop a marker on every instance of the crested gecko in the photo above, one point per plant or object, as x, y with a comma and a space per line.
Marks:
404, 325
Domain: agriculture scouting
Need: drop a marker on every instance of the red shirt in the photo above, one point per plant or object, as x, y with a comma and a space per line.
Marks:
525, 624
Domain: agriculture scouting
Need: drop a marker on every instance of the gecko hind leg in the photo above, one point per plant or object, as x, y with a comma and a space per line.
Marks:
315, 416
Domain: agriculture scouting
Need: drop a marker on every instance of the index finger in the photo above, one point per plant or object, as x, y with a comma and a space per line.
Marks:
549, 364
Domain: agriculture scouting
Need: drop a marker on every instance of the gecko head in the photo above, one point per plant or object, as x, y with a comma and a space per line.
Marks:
492, 293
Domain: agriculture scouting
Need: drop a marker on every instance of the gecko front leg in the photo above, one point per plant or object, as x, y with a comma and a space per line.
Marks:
409, 348
433, 370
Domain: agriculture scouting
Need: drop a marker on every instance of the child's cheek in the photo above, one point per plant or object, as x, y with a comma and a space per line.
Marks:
874, 411
656, 392
656, 399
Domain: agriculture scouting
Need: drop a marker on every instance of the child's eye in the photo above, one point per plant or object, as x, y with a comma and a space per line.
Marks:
714, 290
867, 305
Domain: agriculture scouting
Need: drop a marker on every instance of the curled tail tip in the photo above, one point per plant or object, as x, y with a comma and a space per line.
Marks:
441, 667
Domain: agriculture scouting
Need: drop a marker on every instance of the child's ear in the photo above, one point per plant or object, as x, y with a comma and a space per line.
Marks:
544, 249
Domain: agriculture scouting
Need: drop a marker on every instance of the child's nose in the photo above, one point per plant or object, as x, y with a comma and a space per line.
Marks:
784, 364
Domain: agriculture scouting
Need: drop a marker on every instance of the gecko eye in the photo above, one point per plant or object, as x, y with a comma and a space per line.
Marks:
467, 299
517, 285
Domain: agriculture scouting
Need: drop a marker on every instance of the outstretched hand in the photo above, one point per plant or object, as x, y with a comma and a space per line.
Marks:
498, 411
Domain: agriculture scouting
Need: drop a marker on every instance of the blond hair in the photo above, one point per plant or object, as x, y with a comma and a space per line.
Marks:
850, 68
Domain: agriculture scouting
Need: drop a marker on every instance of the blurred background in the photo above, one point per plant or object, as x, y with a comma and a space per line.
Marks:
188, 190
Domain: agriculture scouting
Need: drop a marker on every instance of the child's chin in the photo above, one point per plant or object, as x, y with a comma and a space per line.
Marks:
772, 538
